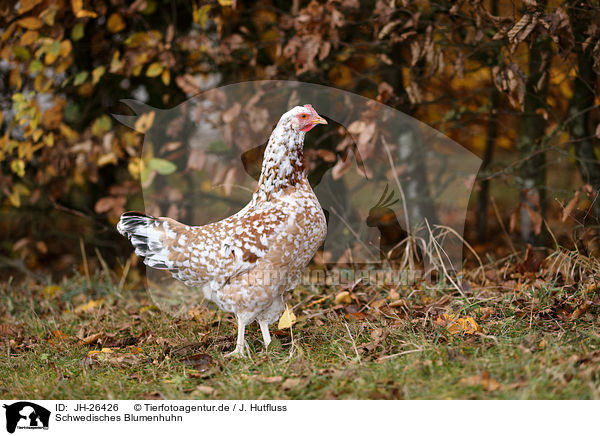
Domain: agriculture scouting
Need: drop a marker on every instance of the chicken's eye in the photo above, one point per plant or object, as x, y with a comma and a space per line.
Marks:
304, 116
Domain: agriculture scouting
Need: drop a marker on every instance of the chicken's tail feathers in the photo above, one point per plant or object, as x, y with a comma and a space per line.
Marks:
151, 237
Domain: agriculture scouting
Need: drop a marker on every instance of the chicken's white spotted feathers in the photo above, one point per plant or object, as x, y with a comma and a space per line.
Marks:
246, 262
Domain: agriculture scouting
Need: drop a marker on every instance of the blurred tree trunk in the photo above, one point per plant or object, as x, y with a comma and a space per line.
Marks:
581, 125
533, 168
492, 133
409, 141
488, 155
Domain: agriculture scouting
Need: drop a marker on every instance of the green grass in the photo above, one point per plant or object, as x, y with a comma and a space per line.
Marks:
527, 348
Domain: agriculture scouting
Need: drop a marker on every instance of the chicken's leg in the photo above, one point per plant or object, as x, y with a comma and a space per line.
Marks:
264, 328
239, 347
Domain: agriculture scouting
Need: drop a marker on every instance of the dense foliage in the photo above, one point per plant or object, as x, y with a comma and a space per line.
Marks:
520, 78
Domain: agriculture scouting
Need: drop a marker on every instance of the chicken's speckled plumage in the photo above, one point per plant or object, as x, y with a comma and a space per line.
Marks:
246, 262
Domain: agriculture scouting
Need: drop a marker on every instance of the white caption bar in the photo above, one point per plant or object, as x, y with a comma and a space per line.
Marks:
284, 418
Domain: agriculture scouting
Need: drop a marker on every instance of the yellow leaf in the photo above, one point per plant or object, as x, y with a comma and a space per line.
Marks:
49, 14
50, 291
154, 69
109, 158
457, 325
14, 79
97, 73
49, 139
65, 48
50, 58
15, 199
166, 77
145, 121
287, 320
77, 6
135, 167
30, 23
343, 298
200, 15
37, 134
18, 167
29, 37
116, 63
226, 2
90, 305
115, 23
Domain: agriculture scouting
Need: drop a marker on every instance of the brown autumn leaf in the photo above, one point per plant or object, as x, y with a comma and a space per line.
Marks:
91, 339
356, 316
536, 219
120, 358
570, 207
275, 379
114, 204
484, 380
188, 84
52, 117
486, 312
201, 362
291, 383
581, 310
208, 390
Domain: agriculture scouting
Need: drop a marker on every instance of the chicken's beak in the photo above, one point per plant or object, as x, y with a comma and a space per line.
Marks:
319, 120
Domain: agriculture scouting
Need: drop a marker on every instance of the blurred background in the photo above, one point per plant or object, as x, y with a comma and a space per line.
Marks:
516, 83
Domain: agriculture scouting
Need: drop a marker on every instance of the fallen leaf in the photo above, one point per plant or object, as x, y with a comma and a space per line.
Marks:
356, 316
290, 383
89, 306
200, 362
275, 379
206, 390
455, 324
287, 320
343, 298
580, 310
486, 312
50, 291
91, 339
114, 357
484, 380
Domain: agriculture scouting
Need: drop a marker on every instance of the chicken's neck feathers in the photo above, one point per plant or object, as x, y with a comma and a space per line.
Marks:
283, 162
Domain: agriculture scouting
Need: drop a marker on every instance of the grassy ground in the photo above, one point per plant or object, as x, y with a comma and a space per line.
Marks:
534, 340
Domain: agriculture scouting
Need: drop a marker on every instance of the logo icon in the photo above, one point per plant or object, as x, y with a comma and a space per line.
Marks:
26, 415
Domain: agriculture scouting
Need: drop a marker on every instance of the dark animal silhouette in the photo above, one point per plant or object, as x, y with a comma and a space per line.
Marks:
384, 218
13, 415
